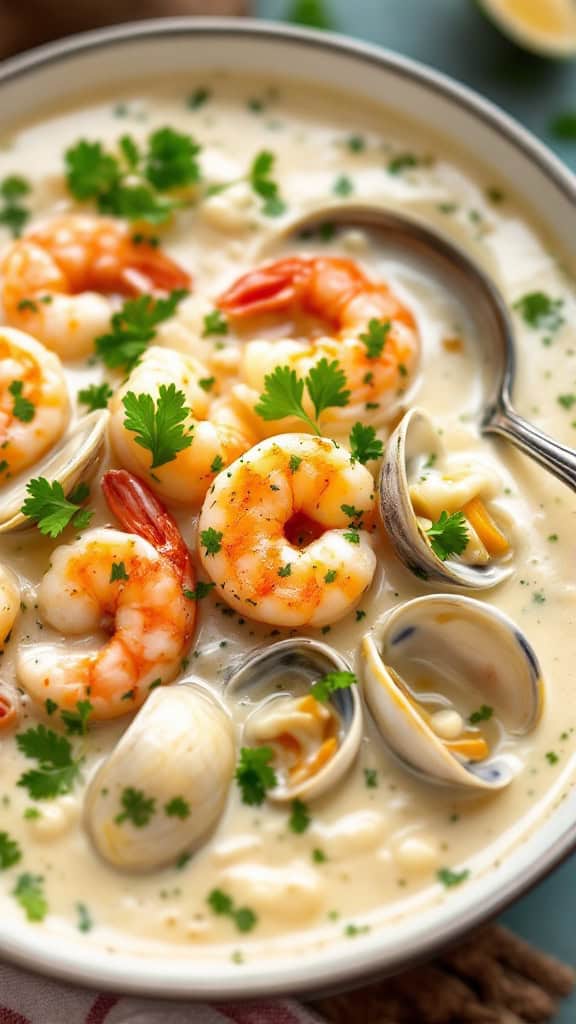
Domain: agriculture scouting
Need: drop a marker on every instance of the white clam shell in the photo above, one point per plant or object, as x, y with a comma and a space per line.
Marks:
414, 435
307, 660
180, 744
466, 639
72, 460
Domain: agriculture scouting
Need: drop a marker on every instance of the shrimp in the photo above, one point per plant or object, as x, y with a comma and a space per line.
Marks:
34, 404
9, 603
57, 281
131, 585
348, 305
218, 431
281, 532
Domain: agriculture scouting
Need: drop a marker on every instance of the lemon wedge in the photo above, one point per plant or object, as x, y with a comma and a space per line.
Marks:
547, 27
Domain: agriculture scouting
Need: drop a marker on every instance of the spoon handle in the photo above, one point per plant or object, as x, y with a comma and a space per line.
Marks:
555, 457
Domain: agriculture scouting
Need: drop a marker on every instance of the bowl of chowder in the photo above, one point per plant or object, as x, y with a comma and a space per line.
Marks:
248, 746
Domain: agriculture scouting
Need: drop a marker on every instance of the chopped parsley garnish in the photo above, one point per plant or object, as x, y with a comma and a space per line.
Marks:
354, 515
57, 769
449, 535
198, 98
177, 807
223, 905
217, 464
206, 383
85, 922
131, 184
540, 311
375, 337
254, 774
29, 892
323, 689
200, 591
311, 13
136, 807
364, 445
483, 714
76, 722
567, 401
563, 126
13, 215
294, 463
403, 162
356, 143
371, 778
330, 576
51, 706
23, 409
118, 572
211, 540
451, 878
96, 396
134, 327
161, 427
10, 852
360, 614
318, 856
352, 536
299, 817
343, 186
262, 183
285, 570
215, 323
284, 391
51, 510
552, 757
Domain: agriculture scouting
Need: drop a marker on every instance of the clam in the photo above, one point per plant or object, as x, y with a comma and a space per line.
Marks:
179, 755
448, 679
74, 459
314, 742
413, 449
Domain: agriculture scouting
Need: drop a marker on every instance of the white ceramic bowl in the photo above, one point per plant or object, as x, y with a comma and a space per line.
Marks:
155, 49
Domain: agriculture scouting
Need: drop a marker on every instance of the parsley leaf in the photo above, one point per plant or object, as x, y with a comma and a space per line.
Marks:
29, 892
177, 807
161, 428
254, 774
118, 572
200, 591
223, 904
261, 182
13, 215
449, 535
136, 807
375, 338
211, 540
76, 722
171, 161
323, 689
483, 714
23, 408
364, 445
57, 769
284, 392
133, 327
451, 878
51, 510
90, 172
540, 311
214, 323
96, 396
85, 922
299, 817
311, 13
563, 126
10, 852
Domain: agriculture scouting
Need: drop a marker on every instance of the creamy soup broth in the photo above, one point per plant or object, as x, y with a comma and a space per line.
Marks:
384, 844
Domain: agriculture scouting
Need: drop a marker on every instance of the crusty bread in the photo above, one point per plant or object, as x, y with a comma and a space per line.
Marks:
27, 24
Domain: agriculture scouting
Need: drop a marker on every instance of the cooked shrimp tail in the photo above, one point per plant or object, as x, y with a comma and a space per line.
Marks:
139, 511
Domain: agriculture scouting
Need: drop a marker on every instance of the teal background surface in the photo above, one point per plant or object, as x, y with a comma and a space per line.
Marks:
455, 37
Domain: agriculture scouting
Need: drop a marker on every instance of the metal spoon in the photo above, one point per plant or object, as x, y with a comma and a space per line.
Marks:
489, 310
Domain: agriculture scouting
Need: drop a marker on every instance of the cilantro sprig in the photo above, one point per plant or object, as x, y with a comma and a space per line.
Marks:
132, 182
323, 688
364, 445
254, 774
448, 535
57, 769
96, 396
51, 510
284, 392
160, 428
133, 328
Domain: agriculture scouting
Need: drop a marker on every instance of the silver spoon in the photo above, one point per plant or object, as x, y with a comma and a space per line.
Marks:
490, 312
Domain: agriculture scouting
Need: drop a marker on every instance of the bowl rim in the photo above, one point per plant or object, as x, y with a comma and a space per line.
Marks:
371, 963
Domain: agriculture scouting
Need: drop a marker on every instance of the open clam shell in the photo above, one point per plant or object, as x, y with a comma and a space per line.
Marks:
74, 459
451, 643
270, 682
179, 751
414, 436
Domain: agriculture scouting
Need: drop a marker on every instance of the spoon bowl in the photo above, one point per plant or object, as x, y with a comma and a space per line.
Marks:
406, 234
